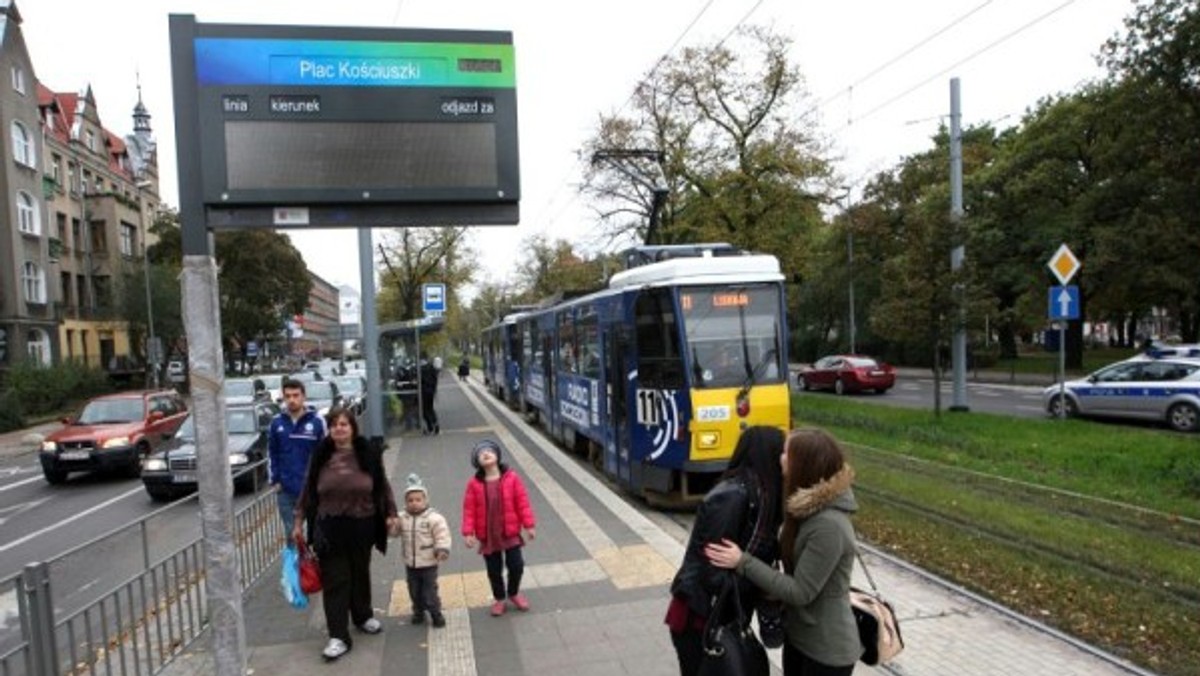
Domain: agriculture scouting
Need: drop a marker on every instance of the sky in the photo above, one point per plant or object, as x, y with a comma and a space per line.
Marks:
879, 70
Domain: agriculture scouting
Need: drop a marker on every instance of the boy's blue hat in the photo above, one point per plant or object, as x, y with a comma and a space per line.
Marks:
485, 445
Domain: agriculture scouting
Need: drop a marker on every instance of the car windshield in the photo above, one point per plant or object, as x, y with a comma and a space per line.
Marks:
187, 431
350, 385
273, 382
109, 411
240, 421
733, 334
239, 388
319, 391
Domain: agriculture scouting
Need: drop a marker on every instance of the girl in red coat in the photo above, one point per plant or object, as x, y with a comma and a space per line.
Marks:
495, 509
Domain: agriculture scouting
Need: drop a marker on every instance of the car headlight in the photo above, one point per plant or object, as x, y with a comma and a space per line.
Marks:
709, 439
154, 465
49, 446
238, 459
116, 442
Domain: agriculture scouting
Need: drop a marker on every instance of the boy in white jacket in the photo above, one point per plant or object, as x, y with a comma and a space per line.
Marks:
425, 542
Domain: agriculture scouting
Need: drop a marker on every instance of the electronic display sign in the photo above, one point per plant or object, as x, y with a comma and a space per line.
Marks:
315, 115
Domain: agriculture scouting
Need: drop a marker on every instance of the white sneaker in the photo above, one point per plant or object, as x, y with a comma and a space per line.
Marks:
335, 649
371, 626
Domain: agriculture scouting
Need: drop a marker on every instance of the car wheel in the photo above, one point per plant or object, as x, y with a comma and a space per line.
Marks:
55, 476
839, 386
804, 384
134, 470
1057, 404
1183, 417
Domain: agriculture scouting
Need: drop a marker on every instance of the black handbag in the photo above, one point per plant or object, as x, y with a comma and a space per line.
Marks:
730, 647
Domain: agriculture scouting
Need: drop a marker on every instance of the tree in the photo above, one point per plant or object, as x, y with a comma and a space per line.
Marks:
412, 257
263, 281
737, 165
548, 268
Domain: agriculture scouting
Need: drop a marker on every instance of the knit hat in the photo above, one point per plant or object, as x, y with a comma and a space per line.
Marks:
414, 483
485, 445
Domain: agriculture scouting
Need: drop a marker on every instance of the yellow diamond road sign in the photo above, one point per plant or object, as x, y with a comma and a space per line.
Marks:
1064, 264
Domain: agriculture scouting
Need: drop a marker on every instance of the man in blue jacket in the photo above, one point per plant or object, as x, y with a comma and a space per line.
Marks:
294, 434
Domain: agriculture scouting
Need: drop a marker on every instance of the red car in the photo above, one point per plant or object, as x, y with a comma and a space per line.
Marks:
844, 373
114, 431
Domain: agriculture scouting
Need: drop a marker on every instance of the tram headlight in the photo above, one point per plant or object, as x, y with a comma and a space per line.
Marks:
708, 440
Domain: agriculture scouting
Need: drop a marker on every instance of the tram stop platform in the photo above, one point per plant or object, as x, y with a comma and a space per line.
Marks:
596, 577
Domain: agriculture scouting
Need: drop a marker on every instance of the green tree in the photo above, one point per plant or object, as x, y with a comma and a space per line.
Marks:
413, 257
263, 280
547, 268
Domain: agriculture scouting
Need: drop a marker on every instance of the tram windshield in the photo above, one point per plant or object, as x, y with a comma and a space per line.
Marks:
733, 335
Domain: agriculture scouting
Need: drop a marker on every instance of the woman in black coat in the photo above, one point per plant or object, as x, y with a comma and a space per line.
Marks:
743, 507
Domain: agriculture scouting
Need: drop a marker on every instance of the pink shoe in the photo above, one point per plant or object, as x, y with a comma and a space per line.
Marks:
497, 608
520, 602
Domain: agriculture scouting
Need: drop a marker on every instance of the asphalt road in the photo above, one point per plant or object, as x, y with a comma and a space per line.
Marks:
1023, 401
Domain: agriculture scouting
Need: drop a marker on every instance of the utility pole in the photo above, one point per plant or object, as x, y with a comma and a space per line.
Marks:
958, 346
850, 269
656, 183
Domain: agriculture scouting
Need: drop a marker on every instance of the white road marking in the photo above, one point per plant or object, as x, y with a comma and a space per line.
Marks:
22, 482
9, 512
76, 517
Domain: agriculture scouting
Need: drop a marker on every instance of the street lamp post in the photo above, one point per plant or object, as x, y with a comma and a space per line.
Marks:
152, 356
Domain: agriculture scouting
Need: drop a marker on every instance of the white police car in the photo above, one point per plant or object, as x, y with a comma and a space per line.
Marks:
1162, 384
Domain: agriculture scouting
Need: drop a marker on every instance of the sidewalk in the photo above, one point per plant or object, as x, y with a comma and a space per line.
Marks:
597, 577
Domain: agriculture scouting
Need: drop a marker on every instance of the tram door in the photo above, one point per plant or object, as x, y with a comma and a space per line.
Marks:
616, 455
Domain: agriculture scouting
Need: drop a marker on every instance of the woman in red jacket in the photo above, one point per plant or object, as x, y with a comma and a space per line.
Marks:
495, 509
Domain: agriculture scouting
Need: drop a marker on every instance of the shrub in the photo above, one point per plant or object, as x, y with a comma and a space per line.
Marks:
44, 390
11, 417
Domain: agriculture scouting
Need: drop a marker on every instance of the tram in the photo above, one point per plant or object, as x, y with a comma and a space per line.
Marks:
655, 376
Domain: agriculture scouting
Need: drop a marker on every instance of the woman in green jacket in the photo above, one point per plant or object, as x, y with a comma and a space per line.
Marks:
818, 548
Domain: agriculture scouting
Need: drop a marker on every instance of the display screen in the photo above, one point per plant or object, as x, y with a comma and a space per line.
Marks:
714, 300
283, 154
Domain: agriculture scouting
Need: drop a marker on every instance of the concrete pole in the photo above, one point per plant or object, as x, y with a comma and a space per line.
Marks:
370, 338
850, 270
958, 346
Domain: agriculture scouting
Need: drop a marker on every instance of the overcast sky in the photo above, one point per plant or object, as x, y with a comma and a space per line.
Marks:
577, 61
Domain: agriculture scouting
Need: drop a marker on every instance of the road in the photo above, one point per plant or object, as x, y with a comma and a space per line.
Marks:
1015, 400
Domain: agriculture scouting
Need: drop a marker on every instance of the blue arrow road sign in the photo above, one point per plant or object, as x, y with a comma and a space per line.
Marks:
1064, 302
434, 297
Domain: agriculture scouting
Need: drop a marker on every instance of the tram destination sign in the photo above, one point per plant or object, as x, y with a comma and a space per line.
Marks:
316, 115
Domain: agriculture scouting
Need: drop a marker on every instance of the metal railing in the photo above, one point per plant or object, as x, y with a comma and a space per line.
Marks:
155, 602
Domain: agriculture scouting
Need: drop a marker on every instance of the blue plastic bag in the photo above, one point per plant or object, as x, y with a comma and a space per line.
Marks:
289, 578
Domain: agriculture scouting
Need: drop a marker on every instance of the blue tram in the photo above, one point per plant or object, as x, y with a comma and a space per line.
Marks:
654, 377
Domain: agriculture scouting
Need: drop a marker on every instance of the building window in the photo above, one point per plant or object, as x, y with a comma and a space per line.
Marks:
34, 282
87, 179
18, 80
56, 170
61, 220
99, 237
91, 140
128, 235
22, 145
38, 344
28, 219
71, 177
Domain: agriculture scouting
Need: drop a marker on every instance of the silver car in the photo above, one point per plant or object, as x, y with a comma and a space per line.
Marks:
1147, 387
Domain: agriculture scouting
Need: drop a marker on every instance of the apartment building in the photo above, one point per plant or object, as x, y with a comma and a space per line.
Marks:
28, 323
320, 323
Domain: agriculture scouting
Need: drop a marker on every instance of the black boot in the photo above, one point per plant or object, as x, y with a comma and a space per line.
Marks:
418, 617
439, 620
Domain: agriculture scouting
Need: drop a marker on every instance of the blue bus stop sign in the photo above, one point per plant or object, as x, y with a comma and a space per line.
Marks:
434, 298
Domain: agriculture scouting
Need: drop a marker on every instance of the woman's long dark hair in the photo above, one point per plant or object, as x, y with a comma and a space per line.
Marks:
812, 457
756, 458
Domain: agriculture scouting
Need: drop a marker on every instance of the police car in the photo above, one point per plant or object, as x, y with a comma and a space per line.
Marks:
1162, 384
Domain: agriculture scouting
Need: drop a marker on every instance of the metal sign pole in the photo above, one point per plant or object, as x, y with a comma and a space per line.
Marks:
1062, 368
420, 399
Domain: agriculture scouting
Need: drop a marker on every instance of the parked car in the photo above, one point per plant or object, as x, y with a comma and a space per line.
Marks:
274, 383
170, 472
240, 391
1146, 387
114, 431
322, 395
354, 392
845, 373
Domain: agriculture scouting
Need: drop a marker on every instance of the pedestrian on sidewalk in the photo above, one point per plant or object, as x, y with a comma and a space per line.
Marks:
429, 383
295, 431
744, 507
818, 547
425, 542
349, 506
495, 509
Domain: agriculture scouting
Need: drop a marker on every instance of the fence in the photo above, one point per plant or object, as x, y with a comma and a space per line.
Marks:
148, 616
